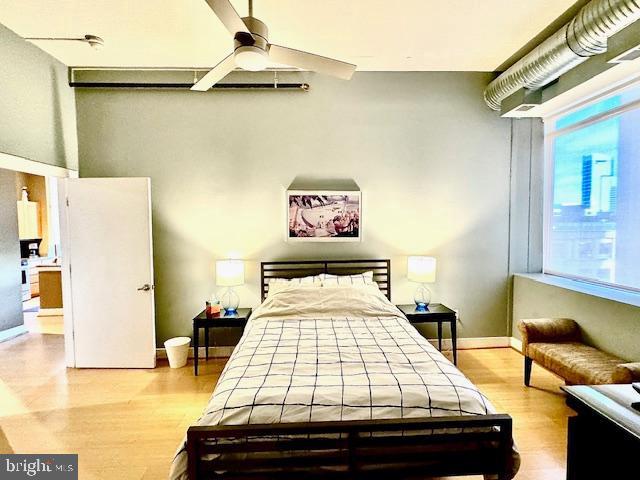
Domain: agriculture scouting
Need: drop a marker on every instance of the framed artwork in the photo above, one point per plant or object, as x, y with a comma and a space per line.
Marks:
324, 216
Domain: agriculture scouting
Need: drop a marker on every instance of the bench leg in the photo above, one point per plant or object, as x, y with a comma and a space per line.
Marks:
528, 362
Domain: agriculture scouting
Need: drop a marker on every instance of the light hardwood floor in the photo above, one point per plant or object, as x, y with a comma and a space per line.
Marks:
126, 424
38, 323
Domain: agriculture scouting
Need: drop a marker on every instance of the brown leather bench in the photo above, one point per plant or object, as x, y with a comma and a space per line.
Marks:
555, 344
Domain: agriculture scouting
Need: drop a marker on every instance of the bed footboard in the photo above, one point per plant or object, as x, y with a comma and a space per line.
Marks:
432, 446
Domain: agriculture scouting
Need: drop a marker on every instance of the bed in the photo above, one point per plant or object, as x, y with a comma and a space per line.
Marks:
330, 380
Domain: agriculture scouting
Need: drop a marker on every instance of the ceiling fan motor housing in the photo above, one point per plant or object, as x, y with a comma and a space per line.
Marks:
259, 31
251, 51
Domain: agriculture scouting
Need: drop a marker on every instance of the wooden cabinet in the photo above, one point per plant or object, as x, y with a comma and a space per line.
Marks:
28, 220
33, 278
34, 282
50, 283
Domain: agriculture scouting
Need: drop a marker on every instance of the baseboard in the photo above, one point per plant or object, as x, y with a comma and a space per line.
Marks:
50, 312
473, 343
13, 332
161, 353
516, 344
462, 344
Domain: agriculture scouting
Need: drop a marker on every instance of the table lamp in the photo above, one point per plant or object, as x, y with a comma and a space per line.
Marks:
421, 270
229, 273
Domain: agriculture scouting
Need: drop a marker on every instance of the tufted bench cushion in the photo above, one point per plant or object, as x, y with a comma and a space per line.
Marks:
577, 363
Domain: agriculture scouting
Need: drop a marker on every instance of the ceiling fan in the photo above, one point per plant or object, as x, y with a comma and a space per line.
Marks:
252, 50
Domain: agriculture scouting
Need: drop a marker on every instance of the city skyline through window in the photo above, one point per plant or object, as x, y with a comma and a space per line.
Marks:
593, 223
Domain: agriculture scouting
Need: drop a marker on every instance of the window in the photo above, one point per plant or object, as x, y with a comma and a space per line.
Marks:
592, 214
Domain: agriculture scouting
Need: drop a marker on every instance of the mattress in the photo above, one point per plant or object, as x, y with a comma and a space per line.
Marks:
331, 354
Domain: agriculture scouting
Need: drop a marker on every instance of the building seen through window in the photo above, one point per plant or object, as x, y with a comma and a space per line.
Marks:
593, 224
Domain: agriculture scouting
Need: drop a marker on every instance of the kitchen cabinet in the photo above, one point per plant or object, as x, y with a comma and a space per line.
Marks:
28, 219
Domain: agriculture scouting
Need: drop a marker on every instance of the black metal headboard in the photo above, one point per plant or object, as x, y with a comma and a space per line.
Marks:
301, 268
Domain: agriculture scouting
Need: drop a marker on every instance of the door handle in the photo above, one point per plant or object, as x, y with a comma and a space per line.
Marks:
145, 288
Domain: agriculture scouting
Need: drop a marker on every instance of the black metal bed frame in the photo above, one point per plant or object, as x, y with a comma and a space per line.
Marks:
392, 448
301, 268
398, 448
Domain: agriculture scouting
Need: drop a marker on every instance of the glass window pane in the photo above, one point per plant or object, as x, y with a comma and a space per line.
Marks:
594, 229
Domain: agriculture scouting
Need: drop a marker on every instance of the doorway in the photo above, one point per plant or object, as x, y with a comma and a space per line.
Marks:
40, 253
31, 271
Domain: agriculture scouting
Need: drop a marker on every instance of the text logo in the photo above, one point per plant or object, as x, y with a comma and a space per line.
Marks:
39, 466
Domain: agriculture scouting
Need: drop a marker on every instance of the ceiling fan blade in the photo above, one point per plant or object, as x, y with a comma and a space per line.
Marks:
214, 75
310, 61
228, 16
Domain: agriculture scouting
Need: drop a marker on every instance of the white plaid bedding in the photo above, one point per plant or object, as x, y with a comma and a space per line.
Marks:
303, 368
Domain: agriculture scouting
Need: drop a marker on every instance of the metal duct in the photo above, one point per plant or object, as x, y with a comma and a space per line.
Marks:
584, 36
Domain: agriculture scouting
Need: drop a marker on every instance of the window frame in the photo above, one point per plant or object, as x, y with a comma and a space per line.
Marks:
550, 134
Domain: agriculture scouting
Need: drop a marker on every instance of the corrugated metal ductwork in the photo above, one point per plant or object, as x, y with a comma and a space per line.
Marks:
583, 37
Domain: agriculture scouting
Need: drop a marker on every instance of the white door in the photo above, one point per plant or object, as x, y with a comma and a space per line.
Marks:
110, 261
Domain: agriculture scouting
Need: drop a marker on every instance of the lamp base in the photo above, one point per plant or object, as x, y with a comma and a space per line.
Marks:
422, 297
229, 300
421, 307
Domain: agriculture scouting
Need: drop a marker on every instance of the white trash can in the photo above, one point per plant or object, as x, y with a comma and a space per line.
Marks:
177, 351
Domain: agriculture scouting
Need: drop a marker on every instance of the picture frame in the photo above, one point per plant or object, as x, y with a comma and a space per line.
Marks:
324, 215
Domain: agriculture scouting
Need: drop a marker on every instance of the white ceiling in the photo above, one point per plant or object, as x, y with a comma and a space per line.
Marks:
472, 35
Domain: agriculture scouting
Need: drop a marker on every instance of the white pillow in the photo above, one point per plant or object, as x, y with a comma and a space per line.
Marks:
284, 287
369, 287
329, 280
298, 281
280, 284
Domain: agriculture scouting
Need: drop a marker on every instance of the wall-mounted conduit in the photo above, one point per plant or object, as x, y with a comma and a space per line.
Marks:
181, 86
137, 79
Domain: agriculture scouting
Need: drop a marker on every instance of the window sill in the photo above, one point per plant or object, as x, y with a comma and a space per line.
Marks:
608, 293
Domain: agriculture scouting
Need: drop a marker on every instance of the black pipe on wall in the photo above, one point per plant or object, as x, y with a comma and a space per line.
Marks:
221, 86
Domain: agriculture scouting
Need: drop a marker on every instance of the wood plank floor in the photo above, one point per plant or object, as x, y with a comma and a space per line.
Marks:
126, 424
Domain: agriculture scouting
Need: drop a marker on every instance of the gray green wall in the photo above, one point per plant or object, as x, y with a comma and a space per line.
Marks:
440, 175
37, 106
609, 325
10, 280
37, 122
526, 208
432, 161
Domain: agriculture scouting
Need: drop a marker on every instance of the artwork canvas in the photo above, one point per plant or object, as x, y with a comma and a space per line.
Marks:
324, 216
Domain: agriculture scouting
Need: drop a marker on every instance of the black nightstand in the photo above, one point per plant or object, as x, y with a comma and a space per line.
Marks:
238, 319
436, 313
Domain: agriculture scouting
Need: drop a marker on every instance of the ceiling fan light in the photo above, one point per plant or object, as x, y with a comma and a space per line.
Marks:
251, 58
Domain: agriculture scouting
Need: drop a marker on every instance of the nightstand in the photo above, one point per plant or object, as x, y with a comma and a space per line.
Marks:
237, 320
435, 313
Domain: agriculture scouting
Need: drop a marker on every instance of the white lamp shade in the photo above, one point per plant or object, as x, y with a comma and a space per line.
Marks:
421, 269
229, 273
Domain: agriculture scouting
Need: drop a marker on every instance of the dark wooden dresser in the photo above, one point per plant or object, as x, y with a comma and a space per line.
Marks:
604, 438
